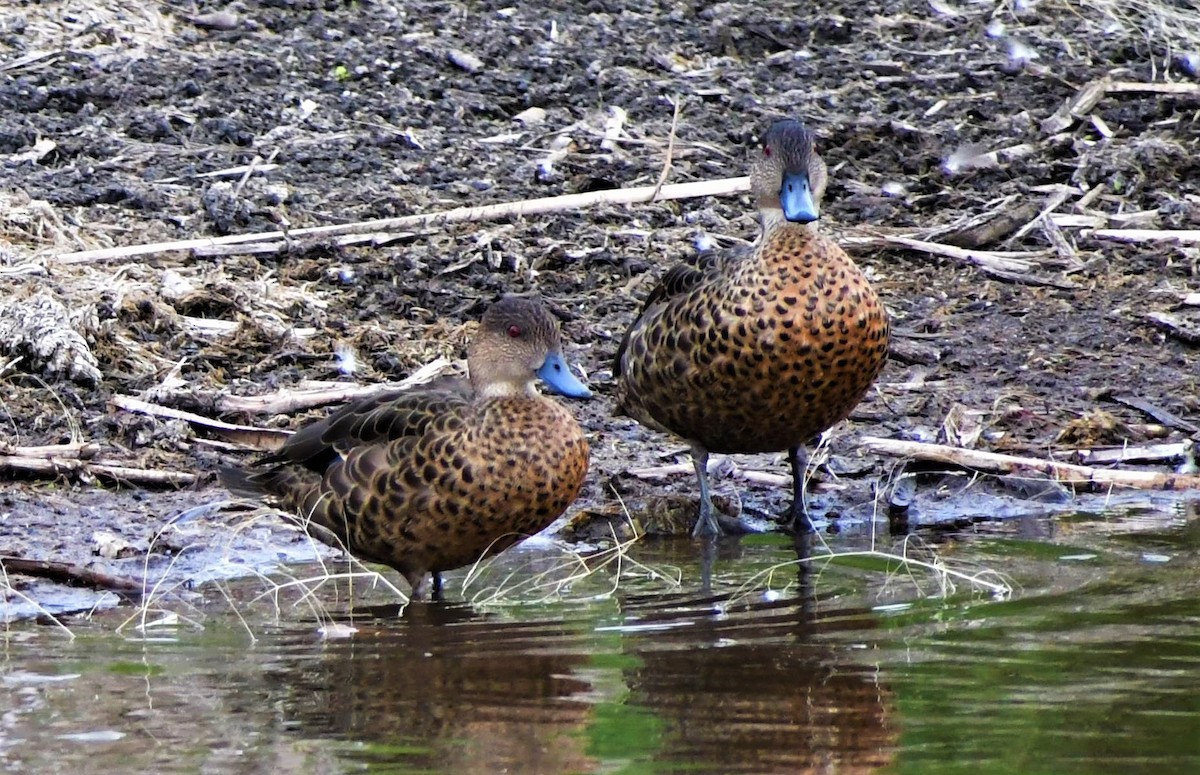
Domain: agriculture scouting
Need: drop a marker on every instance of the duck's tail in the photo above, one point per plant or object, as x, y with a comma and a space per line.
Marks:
241, 482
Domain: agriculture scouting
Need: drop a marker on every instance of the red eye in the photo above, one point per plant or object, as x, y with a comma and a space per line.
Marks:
767, 151
514, 331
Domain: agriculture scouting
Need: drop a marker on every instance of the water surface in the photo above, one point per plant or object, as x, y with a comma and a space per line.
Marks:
1090, 665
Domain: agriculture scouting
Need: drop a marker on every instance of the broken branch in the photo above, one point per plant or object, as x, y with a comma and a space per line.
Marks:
73, 575
1077, 107
669, 157
247, 435
716, 465
994, 462
432, 220
1149, 235
77, 451
117, 474
289, 401
1090, 95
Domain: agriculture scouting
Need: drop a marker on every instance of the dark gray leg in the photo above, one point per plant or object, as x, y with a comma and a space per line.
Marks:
798, 520
425, 586
420, 585
708, 556
706, 523
806, 585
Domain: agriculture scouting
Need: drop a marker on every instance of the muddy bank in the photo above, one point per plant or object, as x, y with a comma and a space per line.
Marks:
126, 124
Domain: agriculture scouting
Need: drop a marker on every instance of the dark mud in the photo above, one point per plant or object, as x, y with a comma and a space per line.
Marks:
356, 111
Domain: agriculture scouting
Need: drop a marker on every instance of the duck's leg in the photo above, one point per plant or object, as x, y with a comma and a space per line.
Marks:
798, 518
706, 523
708, 557
419, 581
437, 586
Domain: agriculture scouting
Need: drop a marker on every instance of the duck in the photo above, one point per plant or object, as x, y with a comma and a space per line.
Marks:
430, 480
759, 350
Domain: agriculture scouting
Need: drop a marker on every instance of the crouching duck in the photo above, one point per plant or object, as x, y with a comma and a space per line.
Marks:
762, 350
431, 480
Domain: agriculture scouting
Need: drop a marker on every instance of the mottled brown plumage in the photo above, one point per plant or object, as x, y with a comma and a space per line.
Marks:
432, 480
759, 351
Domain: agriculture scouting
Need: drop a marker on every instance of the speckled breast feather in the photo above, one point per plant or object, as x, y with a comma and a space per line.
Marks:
761, 353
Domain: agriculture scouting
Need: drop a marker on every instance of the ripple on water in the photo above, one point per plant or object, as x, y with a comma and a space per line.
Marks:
1090, 664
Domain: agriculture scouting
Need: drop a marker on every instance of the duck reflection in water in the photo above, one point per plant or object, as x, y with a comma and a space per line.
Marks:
761, 687
674, 687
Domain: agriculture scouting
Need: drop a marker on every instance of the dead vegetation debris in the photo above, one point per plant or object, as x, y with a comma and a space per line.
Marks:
38, 329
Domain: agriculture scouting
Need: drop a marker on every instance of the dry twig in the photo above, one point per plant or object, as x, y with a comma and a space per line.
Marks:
715, 464
75, 451
74, 575
1157, 412
1149, 235
430, 220
246, 435
1148, 453
118, 474
288, 401
666, 170
1011, 464
1090, 95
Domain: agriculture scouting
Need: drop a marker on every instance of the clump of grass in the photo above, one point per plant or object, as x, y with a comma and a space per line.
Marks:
167, 601
498, 582
1170, 29
8, 592
555, 583
915, 560
1171, 23
930, 574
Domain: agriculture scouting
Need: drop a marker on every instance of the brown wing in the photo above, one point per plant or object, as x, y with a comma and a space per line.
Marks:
678, 280
385, 417
311, 450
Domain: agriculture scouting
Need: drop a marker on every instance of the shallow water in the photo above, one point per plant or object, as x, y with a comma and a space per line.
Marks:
1090, 665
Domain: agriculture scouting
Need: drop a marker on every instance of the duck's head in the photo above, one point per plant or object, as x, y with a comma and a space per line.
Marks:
517, 343
788, 177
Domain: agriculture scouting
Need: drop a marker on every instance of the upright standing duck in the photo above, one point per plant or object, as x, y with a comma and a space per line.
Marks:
427, 481
763, 350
